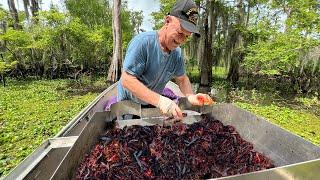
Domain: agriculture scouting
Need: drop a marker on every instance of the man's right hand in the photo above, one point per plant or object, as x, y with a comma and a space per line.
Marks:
169, 108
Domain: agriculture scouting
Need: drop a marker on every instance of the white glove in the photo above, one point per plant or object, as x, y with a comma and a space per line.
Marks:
169, 108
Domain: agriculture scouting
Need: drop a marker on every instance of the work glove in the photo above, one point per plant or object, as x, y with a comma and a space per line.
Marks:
200, 99
169, 108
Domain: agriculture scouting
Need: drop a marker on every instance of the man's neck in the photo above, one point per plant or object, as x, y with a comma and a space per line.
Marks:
162, 34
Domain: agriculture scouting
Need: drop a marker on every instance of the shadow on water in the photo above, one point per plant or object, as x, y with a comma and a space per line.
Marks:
78, 89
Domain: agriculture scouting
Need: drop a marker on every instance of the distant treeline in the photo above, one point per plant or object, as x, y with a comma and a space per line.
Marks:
61, 44
277, 40
273, 39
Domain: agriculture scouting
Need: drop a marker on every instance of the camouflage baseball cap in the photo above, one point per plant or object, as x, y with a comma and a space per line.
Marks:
187, 13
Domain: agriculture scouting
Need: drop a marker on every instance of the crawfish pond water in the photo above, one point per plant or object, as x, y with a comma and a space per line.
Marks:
206, 149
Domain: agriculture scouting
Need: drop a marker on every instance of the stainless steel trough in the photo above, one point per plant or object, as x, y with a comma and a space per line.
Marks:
58, 158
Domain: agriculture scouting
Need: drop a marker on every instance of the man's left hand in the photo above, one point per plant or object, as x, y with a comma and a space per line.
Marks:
200, 99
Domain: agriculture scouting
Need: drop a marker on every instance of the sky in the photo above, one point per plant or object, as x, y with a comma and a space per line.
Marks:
147, 6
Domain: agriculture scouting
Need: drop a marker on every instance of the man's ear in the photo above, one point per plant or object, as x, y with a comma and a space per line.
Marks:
167, 19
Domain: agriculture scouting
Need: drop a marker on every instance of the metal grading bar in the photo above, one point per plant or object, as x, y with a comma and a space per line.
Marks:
293, 156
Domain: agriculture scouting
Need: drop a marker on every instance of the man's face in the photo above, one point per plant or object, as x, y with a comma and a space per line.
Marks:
175, 34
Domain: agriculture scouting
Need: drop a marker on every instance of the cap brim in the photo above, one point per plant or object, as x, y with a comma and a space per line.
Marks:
189, 27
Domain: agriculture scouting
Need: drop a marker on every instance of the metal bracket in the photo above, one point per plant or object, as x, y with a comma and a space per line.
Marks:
129, 107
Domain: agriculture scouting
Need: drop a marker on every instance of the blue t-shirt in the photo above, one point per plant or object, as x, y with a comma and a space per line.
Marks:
153, 67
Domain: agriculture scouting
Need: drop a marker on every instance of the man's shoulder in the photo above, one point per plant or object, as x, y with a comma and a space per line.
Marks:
177, 51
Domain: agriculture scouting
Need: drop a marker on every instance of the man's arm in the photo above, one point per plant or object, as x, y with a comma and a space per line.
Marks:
184, 84
138, 89
195, 99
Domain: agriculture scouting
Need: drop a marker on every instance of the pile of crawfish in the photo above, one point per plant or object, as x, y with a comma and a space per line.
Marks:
206, 149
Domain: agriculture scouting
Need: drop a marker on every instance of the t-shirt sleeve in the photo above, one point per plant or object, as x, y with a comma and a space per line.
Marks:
180, 70
135, 60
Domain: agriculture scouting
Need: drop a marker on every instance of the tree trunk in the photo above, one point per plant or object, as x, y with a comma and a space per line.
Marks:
26, 9
115, 67
3, 43
204, 69
288, 11
248, 13
35, 9
212, 34
3, 79
210, 31
227, 44
14, 14
237, 55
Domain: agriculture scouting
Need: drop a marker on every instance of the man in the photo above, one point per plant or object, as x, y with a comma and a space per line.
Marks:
153, 58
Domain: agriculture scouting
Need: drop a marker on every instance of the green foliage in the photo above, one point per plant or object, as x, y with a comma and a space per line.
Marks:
309, 102
81, 38
52, 18
127, 28
93, 13
302, 15
300, 122
136, 20
16, 38
298, 114
30, 113
279, 55
288, 48
158, 17
4, 15
194, 73
59, 36
4, 67
101, 18
260, 32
